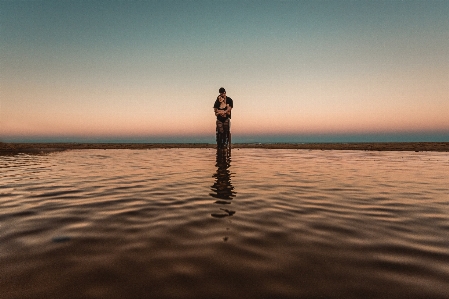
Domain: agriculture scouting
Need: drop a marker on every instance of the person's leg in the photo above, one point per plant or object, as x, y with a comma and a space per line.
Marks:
220, 128
228, 132
220, 133
225, 132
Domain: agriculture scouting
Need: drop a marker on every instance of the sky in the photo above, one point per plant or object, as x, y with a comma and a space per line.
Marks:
152, 69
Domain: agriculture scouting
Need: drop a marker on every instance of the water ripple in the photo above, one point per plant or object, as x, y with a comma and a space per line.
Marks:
196, 223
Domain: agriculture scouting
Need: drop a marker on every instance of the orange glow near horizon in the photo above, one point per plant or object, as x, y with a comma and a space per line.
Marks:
325, 113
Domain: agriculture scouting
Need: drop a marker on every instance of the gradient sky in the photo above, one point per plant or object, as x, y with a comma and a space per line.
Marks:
153, 68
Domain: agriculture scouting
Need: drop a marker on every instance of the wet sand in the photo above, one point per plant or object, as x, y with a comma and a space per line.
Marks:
16, 148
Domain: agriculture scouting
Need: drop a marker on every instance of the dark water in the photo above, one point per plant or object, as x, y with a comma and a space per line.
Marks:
424, 136
188, 223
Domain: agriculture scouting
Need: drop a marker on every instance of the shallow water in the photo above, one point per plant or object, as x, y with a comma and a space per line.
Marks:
191, 223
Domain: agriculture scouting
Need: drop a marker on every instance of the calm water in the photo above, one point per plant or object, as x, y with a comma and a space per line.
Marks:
188, 223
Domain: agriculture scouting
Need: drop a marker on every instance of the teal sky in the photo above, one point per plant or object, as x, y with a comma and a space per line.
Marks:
153, 68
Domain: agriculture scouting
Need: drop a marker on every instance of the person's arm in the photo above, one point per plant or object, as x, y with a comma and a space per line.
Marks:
216, 105
220, 112
229, 105
228, 109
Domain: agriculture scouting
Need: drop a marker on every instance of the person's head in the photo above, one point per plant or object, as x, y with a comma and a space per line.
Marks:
222, 91
220, 98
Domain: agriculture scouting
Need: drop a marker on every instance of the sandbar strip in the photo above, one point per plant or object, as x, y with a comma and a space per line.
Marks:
39, 148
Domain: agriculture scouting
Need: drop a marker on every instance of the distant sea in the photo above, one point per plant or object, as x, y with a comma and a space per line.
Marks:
236, 138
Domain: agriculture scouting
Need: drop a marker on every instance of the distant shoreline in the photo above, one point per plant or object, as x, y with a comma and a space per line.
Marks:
30, 148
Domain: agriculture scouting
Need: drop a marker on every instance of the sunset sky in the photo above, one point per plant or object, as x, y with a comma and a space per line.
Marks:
153, 68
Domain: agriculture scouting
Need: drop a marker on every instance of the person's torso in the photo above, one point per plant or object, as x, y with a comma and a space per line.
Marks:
228, 101
220, 117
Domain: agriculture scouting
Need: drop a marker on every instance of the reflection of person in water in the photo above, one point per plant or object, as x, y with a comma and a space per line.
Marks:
222, 187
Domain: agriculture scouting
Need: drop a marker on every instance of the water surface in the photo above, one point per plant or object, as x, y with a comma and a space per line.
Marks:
194, 223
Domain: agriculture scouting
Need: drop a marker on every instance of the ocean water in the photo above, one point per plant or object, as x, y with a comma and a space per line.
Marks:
197, 223
431, 136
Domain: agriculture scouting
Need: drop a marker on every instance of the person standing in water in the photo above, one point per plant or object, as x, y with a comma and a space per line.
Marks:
222, 108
